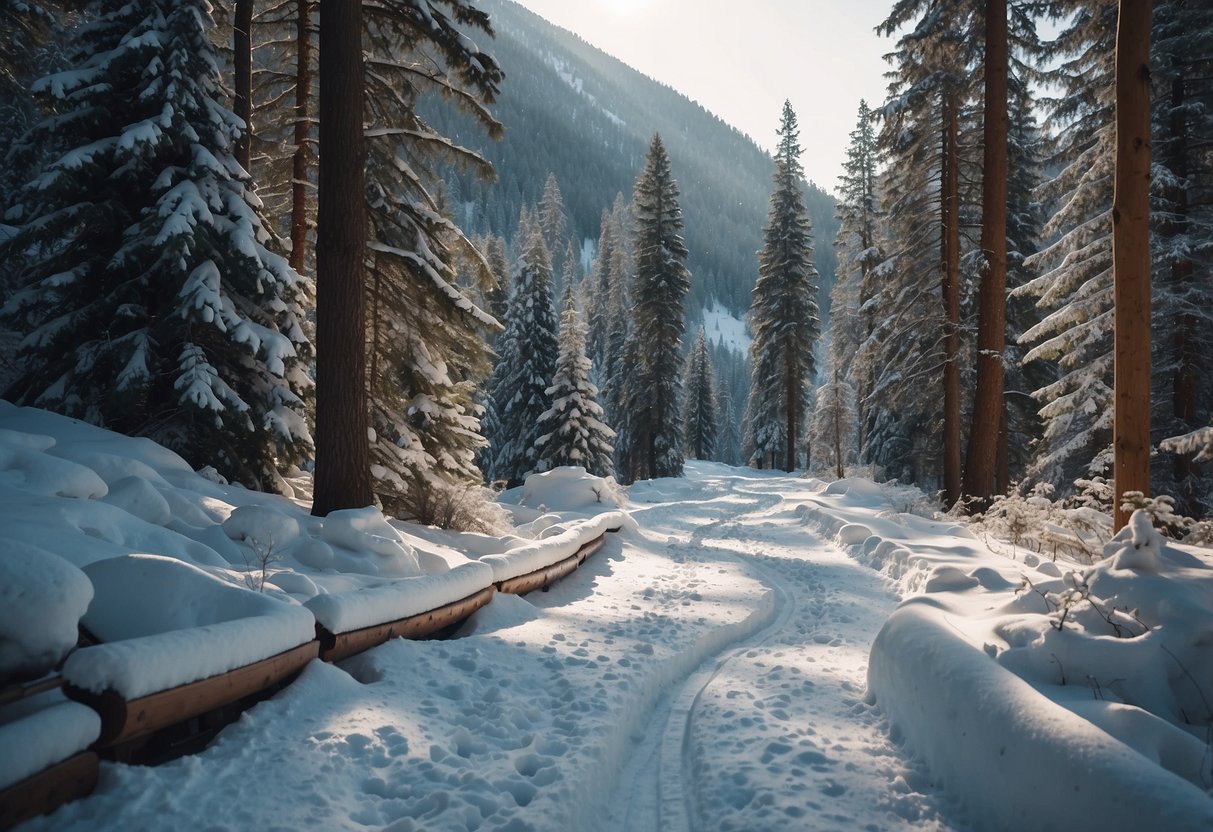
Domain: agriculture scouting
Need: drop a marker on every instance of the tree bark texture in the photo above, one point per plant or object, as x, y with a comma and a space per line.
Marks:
302, 157
242, 49
981, 460
342, 478
1131, 255
950, 251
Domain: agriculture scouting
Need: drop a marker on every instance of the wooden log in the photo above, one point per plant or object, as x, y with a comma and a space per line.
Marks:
123, 720
337, 646
40, 793
17, 692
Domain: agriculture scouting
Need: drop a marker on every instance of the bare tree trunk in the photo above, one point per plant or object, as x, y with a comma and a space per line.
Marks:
1131, 255
981, 460
301, 160
242, 49
343, 477
950, 251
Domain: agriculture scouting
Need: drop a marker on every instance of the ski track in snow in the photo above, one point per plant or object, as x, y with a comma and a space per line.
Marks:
773, 733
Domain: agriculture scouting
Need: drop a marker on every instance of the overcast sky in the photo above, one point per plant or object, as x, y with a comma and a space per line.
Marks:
742, 60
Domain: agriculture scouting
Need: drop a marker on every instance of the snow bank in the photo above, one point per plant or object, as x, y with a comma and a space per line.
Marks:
167, 623
345, 611
1046, 694
1014, 758
571, 489
42, 598
563, 542
56, 730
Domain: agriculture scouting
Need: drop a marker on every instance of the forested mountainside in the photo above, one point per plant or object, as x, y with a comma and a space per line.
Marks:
572, 110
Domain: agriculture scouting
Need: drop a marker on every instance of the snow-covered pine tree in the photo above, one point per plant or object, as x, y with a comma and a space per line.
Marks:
149, 299
834, 425
699, 416
728, 437
526, 365
427, 338
661, 285
596, 294
499, 265
853, 307
572, 431
783, 313
915, 353
554, 221
1181, 212
1074, 277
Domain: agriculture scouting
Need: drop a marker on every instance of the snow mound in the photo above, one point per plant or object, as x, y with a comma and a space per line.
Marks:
571, 489
42, 598
191, 626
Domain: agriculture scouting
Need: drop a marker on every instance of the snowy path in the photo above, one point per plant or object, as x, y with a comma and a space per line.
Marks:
773, 733
704, 672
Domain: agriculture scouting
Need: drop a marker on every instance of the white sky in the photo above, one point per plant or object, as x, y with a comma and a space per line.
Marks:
741, 60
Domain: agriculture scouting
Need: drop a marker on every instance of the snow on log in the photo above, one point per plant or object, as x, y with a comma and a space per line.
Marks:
562, 542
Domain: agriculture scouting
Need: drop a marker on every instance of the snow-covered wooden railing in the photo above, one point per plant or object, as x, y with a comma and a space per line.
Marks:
56, 766
133, 688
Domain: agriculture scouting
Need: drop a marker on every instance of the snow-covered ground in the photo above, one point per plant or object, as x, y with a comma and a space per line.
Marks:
753, 651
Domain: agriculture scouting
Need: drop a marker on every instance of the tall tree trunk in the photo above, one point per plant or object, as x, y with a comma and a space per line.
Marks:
301, 159
838, 468
950, 251
981, 460
343, 478
242, 48
791, 391
1131, 255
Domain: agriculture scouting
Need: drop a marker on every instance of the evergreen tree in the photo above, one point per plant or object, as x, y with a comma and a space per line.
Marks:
525, 367
1073, 283
427, 344
150, 301
662, 283
1181, 211
784, 312
728, 438
499, 265
553, 219
699, 419
597, 293
572, 431
853, 308
834, 423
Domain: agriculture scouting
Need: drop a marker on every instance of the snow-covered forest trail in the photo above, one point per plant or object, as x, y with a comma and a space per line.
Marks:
772, 733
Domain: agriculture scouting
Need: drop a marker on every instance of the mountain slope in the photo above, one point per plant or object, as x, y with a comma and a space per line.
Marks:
571, 109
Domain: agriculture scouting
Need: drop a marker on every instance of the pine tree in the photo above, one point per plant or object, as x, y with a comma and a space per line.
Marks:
1074, 283
699, 417
597, 293
834, 422
784, 312
1182, 215
525, 367
572, 431
662, 284
427, 348
499, 265
150, 301
853, 308
554, 221
728, 437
